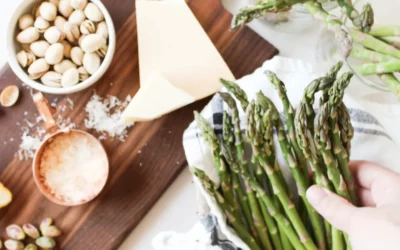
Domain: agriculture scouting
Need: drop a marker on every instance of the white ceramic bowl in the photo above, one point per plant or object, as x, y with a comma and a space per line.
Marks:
14, 47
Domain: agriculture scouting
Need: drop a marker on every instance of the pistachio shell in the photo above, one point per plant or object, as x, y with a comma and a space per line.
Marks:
46, 222
88, 27
15, 232
77, 17
71, 32
67, 49
65, 8
25, 58
28, 35
54, 35
54, 54
69, 78
93, 13
45, 242
102, 51
48, 11
39, 48
14, 245
59, 22
31, 231
53, 231
93, 42
51, 79
41, 25
78, 4
77, 55
8, 97
83, 74
102, 29
38, 68
25, 21
91, 62
80, 40
31, 247
64, 66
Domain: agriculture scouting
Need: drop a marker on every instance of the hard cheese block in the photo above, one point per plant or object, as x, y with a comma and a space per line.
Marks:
173, 43
157, 97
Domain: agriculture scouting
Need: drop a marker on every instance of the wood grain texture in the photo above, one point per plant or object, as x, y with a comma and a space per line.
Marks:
143, 166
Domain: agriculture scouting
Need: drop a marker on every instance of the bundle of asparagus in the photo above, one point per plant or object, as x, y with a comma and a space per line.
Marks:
380, 49
254, 195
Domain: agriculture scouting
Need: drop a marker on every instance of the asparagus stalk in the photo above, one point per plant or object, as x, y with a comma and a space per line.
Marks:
392, 40
363, 21
369, 55
378, 68
239, 228
388, 30
392, 83
226, 184
334, 24
237, 92
375, 44
345, 127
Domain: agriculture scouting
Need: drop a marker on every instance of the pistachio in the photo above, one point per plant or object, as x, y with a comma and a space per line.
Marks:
8, 97
53, 231
46, 222
69, 78
45, 242
91, 62
51, 79
25, 21
39, 48
87, 27
71, 32
54, 54
41, 25
102, 51
77, 17
48, 11
15, 232
54, 35
78, 4
102, 29
65, 8
67, 49
28, 35
36, 10
55, 2
77, 55
38, 68
31, 231
25, 58
31, 247
93, 13
83, 74
80, 40
93, 42
59, 22
14, 245
64, 66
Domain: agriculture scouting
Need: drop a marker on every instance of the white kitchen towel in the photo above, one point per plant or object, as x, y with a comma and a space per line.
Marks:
371, 142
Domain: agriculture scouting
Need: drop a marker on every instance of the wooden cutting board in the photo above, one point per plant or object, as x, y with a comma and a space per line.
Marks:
142, 167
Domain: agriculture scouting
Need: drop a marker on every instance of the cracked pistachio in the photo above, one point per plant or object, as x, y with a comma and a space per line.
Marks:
69, 78
93, 42
25, 58
25, 21
102, 51
91, 62
64, 66
59, 22
102, 29
39, 48
65, 8
54, 54
41, 25
45, 242
38, 68
51, 79
15, 232
71, 32
46, 222
87, 27
48, 11
77, 17
93, 13
78, 4
28, 35
77, 55
53, 35
83, 74
31, 231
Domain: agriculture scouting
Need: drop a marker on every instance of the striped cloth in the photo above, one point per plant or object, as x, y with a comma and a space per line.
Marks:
371, 142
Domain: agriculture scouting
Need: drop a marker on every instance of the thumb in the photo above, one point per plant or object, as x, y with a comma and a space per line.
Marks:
333, 208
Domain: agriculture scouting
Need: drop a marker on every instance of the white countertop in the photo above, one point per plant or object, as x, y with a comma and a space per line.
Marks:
176, 210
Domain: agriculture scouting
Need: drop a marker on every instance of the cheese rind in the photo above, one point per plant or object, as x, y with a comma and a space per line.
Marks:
154, 99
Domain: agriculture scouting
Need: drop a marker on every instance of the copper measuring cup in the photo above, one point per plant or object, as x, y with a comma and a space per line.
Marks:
46, 112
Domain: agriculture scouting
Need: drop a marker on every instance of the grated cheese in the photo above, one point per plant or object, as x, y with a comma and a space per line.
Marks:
104, 116
29, 145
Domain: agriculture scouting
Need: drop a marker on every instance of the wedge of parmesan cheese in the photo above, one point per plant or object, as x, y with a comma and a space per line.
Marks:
155, 98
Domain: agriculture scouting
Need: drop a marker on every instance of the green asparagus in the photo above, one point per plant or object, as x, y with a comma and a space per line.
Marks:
375, 44
237, 92
369, 55
363, 21
392, 83
388, 30
392, 40
378, 68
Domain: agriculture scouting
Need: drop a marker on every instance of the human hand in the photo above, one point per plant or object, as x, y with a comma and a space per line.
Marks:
376, 225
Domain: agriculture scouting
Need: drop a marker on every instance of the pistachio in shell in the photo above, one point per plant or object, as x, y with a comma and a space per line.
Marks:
15, 232
69, 78
83, 74
78, 4
30, 247
52, 231
77, 55
48, 11
77, 17
45, 242
46, 222
93, 42
31, 231
102, 29
25, 21
51, 79
87, 27
39, 48
28, 35
38, 68
41, 25
65, 8
13, 244
71, 31
91, 62
25, 58
59, 22
81, 39
53, 35
54, 54
102, 52
93, 13
63, 66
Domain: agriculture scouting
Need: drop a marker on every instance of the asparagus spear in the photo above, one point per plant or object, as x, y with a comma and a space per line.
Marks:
392, 82
227, 209
212, 140
237, 92
378, 68
392, 40
345, 127
369, 55
388, 30
374, 43
333, 24
363, 21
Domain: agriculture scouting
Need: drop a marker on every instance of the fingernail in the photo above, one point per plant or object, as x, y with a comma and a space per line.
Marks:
315, 194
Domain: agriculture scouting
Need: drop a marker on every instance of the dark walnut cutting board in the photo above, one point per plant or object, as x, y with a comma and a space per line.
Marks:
136, 180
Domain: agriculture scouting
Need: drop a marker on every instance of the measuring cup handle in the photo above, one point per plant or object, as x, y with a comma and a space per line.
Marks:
45, 111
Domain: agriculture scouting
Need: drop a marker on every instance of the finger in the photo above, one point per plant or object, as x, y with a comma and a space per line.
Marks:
333, 208
365, 197
366, 173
